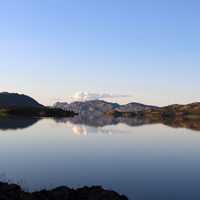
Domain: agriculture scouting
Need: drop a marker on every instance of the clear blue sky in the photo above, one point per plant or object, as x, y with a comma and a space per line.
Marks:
50, 49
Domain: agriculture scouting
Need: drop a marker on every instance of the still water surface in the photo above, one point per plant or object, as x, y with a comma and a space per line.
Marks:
150, 162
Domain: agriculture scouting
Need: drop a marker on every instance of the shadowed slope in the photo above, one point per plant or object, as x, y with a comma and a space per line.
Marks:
17, 100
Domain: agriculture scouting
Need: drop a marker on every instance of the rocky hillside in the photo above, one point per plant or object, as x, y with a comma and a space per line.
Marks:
92, 109
188, 109
134, 107
97, 107
17, 100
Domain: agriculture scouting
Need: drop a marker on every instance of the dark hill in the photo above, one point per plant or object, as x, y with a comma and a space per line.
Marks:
12, 104
14, 192
17, 100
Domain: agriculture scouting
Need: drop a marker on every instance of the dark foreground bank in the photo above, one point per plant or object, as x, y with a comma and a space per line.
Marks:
14, 192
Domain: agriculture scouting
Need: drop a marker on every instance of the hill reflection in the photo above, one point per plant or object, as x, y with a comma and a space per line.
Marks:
14, 123
180, 122
80, 125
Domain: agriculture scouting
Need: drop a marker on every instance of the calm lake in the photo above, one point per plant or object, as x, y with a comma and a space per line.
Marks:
149, 162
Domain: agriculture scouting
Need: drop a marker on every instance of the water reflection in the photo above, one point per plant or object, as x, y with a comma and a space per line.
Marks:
81, 129
180, 122
148, 162
7, 123
85, 125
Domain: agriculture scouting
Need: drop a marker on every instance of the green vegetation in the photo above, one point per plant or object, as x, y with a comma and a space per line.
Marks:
3, 113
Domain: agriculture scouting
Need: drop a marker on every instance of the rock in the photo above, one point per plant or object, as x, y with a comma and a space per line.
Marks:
4, 187
14, 192
98, 108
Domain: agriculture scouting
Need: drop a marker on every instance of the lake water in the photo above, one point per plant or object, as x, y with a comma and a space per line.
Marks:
149, 162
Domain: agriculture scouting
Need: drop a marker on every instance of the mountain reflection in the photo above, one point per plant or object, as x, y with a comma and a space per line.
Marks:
7, 123
98, 122
99, 125
80, 129
104, 121
84, 125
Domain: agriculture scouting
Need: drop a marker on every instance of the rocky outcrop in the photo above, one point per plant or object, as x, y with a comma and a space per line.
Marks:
14, 192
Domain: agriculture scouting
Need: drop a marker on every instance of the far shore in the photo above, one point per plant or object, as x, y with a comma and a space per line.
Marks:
35, 112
